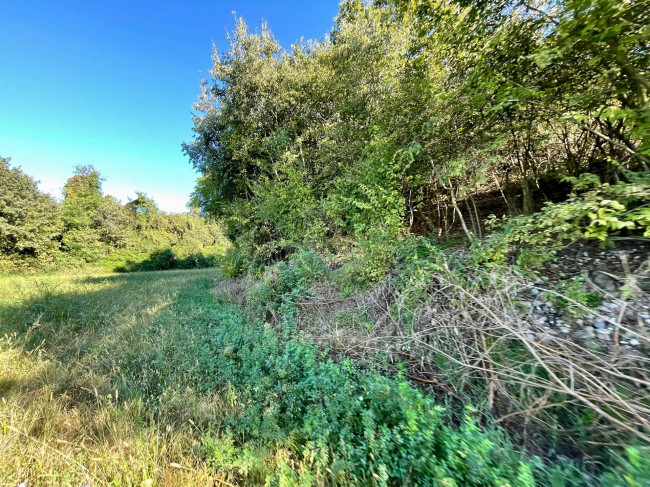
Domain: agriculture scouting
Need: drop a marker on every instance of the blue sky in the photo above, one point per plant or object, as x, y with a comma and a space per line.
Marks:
111, 83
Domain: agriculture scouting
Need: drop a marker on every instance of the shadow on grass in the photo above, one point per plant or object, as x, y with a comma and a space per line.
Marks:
6, 385
145, 275
167, 259
51, 310
73, 317
99, 334
93, 368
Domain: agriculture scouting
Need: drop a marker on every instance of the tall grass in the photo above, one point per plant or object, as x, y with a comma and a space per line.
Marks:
145, 379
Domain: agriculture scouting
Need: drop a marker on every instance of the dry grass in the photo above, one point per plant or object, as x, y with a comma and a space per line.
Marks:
57, 429
481, 347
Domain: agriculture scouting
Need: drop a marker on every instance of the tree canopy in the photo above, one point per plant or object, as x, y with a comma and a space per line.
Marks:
408, 112
89, 227
29, 220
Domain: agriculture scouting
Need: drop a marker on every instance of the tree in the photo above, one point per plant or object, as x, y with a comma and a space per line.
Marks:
114, 223
411, 111
30, 223
82, 197
142, 205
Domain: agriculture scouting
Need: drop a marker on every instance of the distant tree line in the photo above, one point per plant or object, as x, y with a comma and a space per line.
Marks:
90, 227
420, 116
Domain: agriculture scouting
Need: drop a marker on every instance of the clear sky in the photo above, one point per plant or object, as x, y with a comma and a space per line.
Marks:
111, 83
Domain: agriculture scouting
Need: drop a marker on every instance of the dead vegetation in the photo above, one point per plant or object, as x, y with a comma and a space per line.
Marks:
479, 344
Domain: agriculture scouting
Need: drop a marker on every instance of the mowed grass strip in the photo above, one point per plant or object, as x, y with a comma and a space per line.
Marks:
90, 383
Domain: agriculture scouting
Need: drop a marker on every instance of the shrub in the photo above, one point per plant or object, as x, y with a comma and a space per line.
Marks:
602, 213
346, 424
460, 328
572, 296
634, 470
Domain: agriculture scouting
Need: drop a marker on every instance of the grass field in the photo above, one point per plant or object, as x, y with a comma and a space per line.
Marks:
90, 383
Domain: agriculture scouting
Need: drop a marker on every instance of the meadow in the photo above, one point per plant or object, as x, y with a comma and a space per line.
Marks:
432, 232
82, 359
185, 377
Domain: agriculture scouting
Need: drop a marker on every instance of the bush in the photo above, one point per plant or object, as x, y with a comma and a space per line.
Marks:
600, 213
232, 264
634, 471
573, 296
91, 228
165, 259
439, 316
345, 424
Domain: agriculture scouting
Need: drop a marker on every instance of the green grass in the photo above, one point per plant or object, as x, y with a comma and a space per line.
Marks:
82, 370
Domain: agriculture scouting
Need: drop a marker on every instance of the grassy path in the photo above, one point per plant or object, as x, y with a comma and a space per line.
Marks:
90, 383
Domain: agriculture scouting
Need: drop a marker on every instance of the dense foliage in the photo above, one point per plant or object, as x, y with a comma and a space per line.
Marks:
419, 117
399, 134
88, 227
29, 220
293, 393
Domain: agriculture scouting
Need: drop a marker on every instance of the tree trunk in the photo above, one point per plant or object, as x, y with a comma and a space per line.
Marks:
469, 234
528, 202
